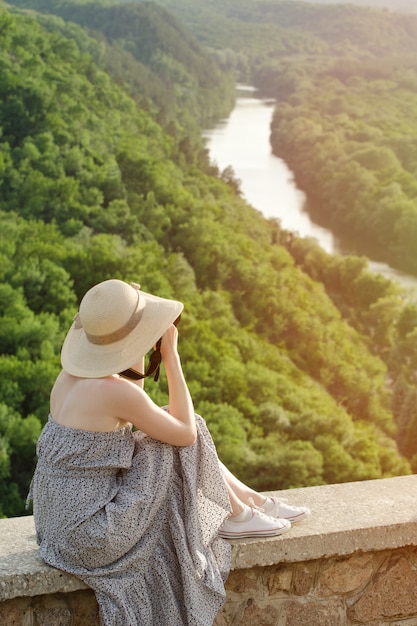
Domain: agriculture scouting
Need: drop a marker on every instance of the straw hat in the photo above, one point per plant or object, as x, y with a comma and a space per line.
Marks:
116, 325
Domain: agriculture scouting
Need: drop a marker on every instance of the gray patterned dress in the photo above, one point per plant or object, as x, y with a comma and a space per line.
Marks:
137, 520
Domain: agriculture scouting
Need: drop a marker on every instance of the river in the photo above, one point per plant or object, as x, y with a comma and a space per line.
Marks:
242, 142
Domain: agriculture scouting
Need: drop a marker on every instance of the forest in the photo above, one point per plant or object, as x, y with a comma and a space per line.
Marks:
407, 6
303, 364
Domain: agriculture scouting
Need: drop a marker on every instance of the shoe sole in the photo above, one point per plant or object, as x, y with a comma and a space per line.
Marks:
298, 518
255, 533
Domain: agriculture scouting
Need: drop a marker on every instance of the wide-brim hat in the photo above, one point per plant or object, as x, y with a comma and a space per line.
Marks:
117, 324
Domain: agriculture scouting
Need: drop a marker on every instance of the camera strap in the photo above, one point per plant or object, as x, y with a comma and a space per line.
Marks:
154, 364
153, 367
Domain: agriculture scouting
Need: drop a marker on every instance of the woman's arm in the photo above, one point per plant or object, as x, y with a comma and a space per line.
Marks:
180, 401
130, 402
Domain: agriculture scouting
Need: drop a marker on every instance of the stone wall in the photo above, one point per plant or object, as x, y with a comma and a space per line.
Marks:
372, 588
353, 563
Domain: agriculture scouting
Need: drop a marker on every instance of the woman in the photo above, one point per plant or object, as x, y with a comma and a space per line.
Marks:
138, 514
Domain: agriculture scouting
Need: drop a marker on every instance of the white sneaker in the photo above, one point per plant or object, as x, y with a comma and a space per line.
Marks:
259, 525
283, 510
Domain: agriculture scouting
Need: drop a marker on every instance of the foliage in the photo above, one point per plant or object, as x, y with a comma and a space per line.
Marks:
286, 368
363, 179
152, 54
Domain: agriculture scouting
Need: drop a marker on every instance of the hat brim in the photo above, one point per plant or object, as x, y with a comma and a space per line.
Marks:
84, 359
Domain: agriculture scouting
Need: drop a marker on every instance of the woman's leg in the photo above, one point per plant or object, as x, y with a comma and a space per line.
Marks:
270, 505
243, 492
237, 504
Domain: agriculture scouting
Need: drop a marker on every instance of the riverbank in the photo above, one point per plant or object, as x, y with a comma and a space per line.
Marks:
242, 142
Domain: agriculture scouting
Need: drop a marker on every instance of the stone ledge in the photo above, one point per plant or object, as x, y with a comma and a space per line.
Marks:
346, 518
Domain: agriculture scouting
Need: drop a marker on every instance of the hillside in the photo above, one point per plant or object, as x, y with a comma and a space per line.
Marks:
147, 50
406, 6
292, 382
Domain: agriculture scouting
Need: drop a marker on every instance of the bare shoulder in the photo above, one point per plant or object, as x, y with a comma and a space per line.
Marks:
88, 403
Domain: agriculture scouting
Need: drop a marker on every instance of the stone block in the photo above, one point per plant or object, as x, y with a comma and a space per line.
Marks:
221, 618
14, 613
254, 613
303, 578
247, 581
230, 613
347, 575
79, 608
84, 608
315, 613
279, 579
52, 617
392, 593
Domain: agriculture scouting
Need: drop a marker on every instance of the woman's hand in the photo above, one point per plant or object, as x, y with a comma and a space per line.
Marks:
169, 343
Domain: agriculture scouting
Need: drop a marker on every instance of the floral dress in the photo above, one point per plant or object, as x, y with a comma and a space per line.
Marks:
137, 520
